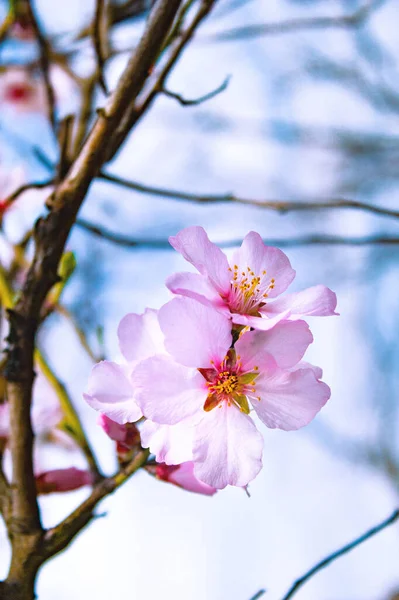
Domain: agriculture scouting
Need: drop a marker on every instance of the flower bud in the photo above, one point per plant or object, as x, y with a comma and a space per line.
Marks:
183, 476
62, 480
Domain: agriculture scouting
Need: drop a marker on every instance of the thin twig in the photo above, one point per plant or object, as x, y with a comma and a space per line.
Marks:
258, 595
44, 59
331, 557
355, 19
184, 102
100, 40
130, 242
281, 206
36, 185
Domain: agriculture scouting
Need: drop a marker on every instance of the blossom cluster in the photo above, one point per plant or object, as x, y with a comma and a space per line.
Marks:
222, 354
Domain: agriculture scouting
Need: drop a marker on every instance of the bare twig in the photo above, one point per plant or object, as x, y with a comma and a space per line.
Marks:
355, 19
44, 59
258, 595
184, 102
329, 559
129, 242
100, 40
37, 185
281, 206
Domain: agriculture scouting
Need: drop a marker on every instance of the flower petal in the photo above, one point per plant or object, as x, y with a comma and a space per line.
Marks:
227, 448
110, 392
195, 334
171, 444
263, 323
289, 399
197, 287
195, 246
255, 254
317, 301
183, 476
168, 392
140, 336
286, 342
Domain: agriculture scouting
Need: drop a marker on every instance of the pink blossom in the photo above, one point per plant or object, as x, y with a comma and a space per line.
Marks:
243, 288
209, 387
183, 476
110, 389
62, 480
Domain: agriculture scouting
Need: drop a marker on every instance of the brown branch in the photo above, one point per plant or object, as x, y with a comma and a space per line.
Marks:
355, 19
100, 40
329, 559
50, 237
122, 12
44, 60
281, 206
129, 242
135, 111
184, 102
57, 538
37, 185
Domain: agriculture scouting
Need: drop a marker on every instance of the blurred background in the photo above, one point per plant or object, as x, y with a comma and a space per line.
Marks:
310, 113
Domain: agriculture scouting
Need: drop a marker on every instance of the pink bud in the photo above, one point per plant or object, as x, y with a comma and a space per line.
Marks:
62, 480
183, 476
126, 436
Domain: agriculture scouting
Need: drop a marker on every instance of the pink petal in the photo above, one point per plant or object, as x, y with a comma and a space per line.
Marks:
114, 430
140, 336
317, 301
287, 342
194, 245
197, 287
259, 257
171, 444
194, 334
227, 448
167, 392
289, 399
263, 323
110, 392
62, 480
183, 476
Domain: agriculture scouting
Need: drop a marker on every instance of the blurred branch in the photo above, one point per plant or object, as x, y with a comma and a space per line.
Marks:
281, 206
100, 40
59, 308
57, 538
356, 19
329, 559
129, 242
120, 12
184, 102
44, 59
39, 185
258, 595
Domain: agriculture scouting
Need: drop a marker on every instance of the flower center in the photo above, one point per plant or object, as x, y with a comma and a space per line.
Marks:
228, 383
248, 290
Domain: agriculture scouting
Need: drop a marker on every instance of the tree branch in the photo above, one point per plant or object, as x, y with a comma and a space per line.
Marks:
355, 19
281, 206
129, 242
184, 102
329, 559
44, 59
